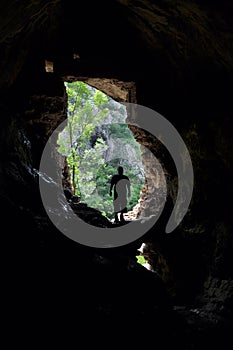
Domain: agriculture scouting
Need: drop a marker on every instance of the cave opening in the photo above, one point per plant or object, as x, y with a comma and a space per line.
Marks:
157, 172
102, 138
95, 141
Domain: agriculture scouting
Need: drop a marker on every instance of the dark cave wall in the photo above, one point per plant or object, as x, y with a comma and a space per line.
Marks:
179, 55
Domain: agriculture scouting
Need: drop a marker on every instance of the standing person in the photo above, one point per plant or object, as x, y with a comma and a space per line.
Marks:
121, 185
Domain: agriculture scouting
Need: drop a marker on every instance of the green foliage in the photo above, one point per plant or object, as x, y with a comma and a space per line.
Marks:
88, 109
85, 110
121, 131
140, 259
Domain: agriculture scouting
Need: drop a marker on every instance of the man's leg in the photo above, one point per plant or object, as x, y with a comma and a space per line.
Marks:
123, 205
116, 210
116, 217
122, 215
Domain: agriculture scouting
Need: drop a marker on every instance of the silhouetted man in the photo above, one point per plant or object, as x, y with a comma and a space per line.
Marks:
121, 185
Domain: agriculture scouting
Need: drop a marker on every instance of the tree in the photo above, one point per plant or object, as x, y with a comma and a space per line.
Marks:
94, 121
86, 108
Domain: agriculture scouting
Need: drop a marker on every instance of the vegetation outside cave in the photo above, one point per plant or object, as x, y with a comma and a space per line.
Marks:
95, 141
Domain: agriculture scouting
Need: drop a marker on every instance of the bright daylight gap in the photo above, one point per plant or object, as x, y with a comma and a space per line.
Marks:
95, 142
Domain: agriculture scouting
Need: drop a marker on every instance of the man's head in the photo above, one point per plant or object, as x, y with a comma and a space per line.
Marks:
120, 170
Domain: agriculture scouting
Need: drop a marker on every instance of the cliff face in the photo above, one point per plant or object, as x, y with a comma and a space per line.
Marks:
175, 57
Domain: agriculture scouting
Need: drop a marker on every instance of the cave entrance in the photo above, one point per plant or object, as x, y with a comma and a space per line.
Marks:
95, 141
